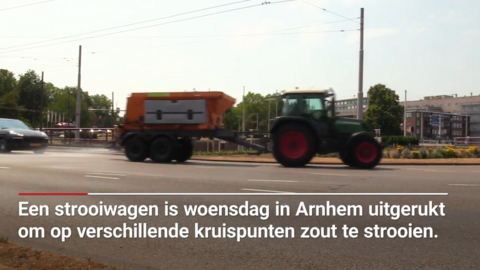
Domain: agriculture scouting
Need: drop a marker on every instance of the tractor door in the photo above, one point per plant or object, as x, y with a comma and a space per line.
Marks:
315, 111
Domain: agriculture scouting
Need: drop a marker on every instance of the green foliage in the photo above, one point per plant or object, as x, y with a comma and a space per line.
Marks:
21, 99
331, 155
416, 155
256, 109
384, 110
400, 140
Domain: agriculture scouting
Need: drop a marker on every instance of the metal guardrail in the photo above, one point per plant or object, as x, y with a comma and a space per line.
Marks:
88, 138
467, 141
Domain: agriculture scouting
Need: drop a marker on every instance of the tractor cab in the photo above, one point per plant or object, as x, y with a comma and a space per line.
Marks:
314, 105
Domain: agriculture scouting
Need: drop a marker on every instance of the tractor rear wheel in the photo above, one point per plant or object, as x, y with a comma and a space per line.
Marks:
162, 150
186, 150
345, 158
294, 145
136, 150
365, 153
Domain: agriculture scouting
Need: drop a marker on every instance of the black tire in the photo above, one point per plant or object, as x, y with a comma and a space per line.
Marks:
186, 150
40, 151
345, 158
162, 150
136, 150
294, 145
4, 147
365, 152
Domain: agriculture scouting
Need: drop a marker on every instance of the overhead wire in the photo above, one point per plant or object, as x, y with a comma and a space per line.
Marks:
27, 5
129, 30
331, 12
201, 36
127, 25
224, 38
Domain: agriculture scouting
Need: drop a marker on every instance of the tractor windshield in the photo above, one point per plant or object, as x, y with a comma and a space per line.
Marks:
303, 105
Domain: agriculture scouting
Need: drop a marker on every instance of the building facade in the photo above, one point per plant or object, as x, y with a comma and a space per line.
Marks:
467, 107
454, 105
473, 110
348, 107
428, 124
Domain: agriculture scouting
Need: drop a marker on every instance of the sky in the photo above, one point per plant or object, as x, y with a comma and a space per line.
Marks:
427, 47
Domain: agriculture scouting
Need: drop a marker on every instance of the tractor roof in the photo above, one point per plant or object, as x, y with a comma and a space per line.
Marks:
308, 91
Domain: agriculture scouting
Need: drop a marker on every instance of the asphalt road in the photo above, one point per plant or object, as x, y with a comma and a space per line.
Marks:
455, 247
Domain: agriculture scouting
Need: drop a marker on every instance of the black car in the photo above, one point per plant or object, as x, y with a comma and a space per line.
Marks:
16, 135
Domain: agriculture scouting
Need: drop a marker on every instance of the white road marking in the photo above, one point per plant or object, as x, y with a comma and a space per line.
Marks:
107, 174
465, 185
263, 190
5, 168
427, 170
332, 174
101, 177
280, 181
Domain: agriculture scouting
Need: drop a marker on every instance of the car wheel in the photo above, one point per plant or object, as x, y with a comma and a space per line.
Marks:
40, 151
4, 147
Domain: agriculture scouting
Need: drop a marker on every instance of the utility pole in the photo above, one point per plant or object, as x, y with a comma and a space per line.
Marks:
276, 104
466, 124
440, 118
360, 75
113, 109
41, 105
79, 94
405, 116
422, 125
243, 118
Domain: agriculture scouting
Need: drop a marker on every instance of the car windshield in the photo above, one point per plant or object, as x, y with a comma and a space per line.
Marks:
12, 124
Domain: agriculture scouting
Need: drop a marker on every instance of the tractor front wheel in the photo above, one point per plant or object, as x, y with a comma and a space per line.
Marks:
345, 158
365, 153
294, 145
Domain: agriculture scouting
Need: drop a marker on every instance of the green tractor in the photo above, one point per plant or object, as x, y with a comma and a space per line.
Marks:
309, 126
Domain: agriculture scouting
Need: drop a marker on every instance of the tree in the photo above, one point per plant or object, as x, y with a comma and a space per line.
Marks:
102, 117
257, 108
29, 95
8, 95
384, 110
8, 82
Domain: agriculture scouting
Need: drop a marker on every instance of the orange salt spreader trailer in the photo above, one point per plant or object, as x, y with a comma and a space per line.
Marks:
161, 126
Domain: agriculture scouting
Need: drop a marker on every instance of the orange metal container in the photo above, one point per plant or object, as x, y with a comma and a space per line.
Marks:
177, 110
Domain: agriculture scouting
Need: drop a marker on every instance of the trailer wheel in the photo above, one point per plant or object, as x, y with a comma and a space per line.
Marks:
136, 150
185, 152
162, 150
294, 145
365, 152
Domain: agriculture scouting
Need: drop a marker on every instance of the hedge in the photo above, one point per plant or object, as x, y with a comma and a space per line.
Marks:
400, 152
400, 140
